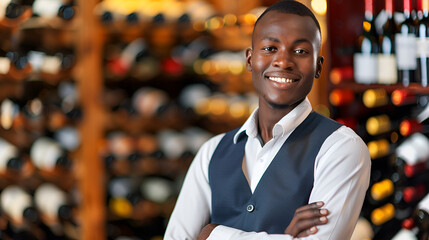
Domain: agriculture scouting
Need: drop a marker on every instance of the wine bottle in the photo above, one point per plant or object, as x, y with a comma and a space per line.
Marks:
47, 9
373, 98
120, 150
410, 126
378, 148
377, 125
17, 204
405, 234
157, 189
195, 138
387, 70
402, 97
411, 194
123, 193
192, 94
10, 159
172, 143
46, 154
3, 6
17, 8
150, 102
341, 97
383, 214
20, 67
67, 10
423, 46
121, 64
339, 75
414, 149
9, 112
365, 62
382, 190
53, 204
406, 47
4, 60
422, 214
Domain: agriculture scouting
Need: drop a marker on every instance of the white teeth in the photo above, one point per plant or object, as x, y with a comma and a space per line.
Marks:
281, 80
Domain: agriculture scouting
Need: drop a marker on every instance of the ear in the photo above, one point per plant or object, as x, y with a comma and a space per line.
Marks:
249, 53
319, 65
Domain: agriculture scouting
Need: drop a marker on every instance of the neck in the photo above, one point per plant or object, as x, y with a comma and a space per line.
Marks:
270, 114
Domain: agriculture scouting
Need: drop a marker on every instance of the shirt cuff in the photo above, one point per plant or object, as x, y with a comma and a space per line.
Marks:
222, 233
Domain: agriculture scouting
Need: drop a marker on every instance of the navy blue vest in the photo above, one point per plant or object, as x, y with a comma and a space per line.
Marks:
285, 186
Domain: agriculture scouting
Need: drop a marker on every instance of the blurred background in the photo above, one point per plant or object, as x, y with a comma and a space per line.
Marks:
104, 104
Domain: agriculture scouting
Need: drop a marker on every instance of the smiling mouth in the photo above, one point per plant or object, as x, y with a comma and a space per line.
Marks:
282, 80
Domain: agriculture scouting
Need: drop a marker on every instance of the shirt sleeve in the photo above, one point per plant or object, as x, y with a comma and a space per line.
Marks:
193, 206
341, 179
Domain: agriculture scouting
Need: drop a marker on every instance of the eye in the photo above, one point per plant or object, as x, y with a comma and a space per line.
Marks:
269, 49
301, 51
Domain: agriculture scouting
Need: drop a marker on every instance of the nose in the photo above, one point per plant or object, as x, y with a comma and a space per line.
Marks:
283, 60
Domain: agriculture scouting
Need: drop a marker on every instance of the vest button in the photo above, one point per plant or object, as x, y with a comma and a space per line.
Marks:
250, 208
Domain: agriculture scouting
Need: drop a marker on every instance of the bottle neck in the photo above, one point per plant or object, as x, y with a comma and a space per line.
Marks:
389, 8
425, 7
369, 10
407, 8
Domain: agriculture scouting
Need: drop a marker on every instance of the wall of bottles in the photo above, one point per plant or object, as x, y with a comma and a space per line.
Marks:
379, 88
39, 117
174, 76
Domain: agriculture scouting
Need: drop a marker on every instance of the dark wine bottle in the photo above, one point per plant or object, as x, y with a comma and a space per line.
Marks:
365, 58
387, 70
406, 47
423, 46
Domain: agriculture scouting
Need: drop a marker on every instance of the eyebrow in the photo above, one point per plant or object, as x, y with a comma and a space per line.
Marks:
301, 40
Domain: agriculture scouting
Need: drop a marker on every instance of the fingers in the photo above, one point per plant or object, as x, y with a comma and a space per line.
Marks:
313, 205
306, 220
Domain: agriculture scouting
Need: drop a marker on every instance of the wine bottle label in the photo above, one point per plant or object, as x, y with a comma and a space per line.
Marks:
406, 51
365, 68
363, 230
7, 151
423, 47
387, 70
14, 200
4, 65
48, 199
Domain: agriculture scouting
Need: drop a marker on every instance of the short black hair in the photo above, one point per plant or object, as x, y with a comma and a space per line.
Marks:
293, 7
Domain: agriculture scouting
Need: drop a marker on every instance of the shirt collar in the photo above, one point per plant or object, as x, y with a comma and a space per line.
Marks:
285, 126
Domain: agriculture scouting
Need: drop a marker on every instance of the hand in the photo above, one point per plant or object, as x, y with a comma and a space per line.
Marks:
207, 230
306, 219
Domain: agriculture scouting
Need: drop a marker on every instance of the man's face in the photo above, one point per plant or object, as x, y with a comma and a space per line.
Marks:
284, 59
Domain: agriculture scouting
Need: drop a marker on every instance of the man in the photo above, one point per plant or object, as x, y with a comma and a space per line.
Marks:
255, 182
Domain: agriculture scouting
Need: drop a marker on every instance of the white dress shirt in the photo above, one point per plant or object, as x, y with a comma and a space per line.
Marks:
341, 178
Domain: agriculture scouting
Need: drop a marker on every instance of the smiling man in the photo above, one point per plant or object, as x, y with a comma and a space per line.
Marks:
270, 178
